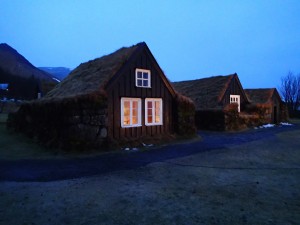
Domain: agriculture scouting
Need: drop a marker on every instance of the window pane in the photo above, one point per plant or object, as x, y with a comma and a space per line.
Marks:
150, 119
139, 83
126, 104
157, 119
149, 105
157, 112
157, 115
157, 105
134, 120
145, 83
135, 104
145, 75
126, 108
139, 74
134, 112
126, 120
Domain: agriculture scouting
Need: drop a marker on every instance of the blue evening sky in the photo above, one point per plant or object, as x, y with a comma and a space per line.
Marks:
190, 39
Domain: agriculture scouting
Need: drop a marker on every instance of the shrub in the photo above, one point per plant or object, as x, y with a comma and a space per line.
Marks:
185, 116
233, 121
260, 114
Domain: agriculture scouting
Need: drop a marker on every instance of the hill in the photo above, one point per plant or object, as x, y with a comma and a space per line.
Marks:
58, 72
24, 80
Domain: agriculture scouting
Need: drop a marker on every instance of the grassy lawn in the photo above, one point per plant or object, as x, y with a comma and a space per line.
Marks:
3, 118
17, 146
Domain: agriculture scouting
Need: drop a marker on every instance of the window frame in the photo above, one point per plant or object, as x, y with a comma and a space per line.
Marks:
238, 97
142, 79
139, 112
153, 100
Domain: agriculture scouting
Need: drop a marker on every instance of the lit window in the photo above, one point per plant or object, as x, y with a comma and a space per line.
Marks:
142, 78
235, 99
153, 111
130, 112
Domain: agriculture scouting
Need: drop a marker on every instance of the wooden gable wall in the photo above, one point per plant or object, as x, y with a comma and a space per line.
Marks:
124, 86
276, 104
234, 88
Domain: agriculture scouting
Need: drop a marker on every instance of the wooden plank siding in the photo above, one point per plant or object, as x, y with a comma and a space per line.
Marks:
124, 86
234, 88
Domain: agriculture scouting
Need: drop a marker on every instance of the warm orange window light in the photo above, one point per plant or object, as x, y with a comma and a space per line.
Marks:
149, 112
134, 112
157, 112
130, 112
153, 111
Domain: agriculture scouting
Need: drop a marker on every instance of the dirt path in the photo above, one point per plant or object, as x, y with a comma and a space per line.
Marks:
231, 180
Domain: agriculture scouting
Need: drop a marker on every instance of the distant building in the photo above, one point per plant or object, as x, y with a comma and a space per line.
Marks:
211, 96
270, 99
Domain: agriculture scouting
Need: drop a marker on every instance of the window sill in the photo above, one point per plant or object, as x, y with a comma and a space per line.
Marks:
131, 126
142, 87
154, 124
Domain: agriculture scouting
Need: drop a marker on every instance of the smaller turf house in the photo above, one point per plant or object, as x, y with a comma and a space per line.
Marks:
123, 98
268, 100
218, 101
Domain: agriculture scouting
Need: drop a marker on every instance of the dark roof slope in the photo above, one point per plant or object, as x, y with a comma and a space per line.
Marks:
261, 95
92, 76
207, 92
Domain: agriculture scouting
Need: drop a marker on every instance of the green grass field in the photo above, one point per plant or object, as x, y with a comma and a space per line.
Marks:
16, 146
3, 118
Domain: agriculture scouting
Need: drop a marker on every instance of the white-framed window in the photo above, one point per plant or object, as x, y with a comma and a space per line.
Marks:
153, 111
235, 99
143, 78
131, 112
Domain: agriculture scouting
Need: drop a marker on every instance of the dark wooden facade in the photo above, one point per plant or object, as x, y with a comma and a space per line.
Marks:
276, 107
123, 85
235, 88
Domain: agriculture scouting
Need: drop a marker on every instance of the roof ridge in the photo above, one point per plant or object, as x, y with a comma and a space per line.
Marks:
95, 73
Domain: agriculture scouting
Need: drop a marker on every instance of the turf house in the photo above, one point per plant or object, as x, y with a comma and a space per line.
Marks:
269, 101
120, 98
218, 101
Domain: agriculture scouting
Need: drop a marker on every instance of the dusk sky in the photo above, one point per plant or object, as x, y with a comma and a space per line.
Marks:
190, 39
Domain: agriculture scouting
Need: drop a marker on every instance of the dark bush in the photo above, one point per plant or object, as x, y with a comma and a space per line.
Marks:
185, 116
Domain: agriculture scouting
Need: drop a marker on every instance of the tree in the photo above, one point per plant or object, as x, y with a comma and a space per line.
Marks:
290, 91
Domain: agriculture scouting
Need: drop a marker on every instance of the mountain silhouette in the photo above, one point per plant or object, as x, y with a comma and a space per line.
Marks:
58, 72
24, 80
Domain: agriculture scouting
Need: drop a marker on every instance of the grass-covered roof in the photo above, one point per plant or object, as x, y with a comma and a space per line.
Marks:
261, 95
92, 76
207, 92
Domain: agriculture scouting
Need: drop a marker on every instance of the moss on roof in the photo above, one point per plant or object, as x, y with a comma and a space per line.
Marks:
92, 76
260, 95
207, 92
